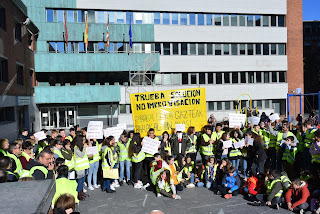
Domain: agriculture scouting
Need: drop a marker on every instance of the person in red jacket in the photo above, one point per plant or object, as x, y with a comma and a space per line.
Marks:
253, 185
297, 196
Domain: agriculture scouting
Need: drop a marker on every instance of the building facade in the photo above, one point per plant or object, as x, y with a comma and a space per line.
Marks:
230, 48
17, 45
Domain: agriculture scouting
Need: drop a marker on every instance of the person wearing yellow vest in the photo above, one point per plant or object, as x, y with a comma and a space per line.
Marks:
315, 151
81, 162
192, 143
235, 154
4, 146
210, 173
42, 167
26, 154
72, 134
94, 165
288, 158
108, 162
207, 144
14, 153
156, 168
281, 137
6, 164
166, 185
309, 136
57, 146
64, 185
274, 191
148, 157
67, 154
137, 156
124, 160
188, 172
165, 144
176, 175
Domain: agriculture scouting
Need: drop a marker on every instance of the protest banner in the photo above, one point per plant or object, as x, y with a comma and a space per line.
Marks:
150, 145
274, 117
180, 127
40, 135
161, 110
254, 120
227, 144
239, 144
114, 131
237, 120
94, 130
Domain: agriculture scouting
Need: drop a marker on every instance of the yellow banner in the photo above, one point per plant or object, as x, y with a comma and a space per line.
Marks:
161, 110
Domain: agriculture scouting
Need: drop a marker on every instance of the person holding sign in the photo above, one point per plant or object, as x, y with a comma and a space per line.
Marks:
207, 144
192, 143
224, 145
235, 154
124, 159
149, 157
108, 162
165, 144
179, 140
94, 164
137, 156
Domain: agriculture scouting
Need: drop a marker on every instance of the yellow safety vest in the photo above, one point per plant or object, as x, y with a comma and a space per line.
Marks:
235, 152
63, 186
24, 154
280, 138
315, 158
193, 148
81, 163
19, 168
154, 174
124, 151
105, 164
270, 186
207, 150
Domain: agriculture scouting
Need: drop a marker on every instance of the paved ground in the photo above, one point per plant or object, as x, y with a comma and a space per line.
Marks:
199, 200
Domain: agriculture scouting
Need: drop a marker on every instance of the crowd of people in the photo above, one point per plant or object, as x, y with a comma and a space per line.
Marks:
278, 165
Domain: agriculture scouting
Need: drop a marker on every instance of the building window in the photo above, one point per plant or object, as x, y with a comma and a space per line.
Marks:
273, 21
282, 76
265, 21
235, 78
242, 49
219, 106
251, 77
7, 114
202, 78
193, 78
81, 16
129, 16
19, 74
166, 18
70, 16
266, 104
184, 48
242, 20
217, 19
218, 78
209, 19
211, 106
234, 49
273, 49
209, 49
49, 15
167, 79
176, 79
249, 20
3, 18
281, 49
185, 79
200, 19
258, 77
250, 49
258, 49
266, 77
17, 31
183, 19
192, 48
226, 20
138, 17
234, 20
3, 70
175, 20
227, 77
258, 20
200, 49
120, 17
210, 78
157, 47
166, 48
265, 49
225, 49
157, 79
147, 18
192, 19
123, 109
175, 48
274, 77
281, 21
60, 47
227, 106
156, 18
81, 47
100, 17
60, 16
243, 77
217, 49
259, 104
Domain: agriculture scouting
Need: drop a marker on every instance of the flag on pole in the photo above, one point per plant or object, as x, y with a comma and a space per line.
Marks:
108, 44
66, 33
130, 33
86, 32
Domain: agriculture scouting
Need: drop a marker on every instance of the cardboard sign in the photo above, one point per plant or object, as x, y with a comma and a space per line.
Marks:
274, 117
150, 145
162, 110
249, 140
236, 120
115, 132
94, 130
180, 127
227, 144
40, 135
122, 126
254, 120
92, 150
239, 144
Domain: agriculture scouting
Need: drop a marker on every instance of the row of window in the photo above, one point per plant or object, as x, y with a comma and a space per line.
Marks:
4, 72
124, 17
171, 48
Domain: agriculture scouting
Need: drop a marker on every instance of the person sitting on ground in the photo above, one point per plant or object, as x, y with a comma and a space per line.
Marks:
166, 185
188, 172
42, 168
274, 191
254, 185
199, 174
210, 173
65, 204
230, 184
175, 174
297, 196
156, 167
5, 164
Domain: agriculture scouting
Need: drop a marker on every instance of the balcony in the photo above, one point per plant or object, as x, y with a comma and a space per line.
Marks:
84, 93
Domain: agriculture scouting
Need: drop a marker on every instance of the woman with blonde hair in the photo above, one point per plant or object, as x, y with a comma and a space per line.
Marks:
4, 146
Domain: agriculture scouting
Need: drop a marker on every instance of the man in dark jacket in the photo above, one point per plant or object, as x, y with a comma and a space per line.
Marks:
259, 157
179, 143
24, 134
43, 167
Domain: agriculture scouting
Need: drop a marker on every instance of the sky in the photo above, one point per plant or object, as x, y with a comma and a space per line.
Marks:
311, 10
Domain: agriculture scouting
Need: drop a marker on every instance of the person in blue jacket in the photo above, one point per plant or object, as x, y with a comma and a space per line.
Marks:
230, 184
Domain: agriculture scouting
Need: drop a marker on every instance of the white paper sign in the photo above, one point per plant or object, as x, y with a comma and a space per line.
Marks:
94, 130
72, 175
283, 142
122, 126
254, 120
274, 117
249, 140
180, 127
227, 144
150, 145
115, 132
40, 135
236, 120
92, 150
239, 144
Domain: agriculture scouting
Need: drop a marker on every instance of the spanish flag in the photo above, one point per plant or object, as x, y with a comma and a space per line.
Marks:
86, 32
